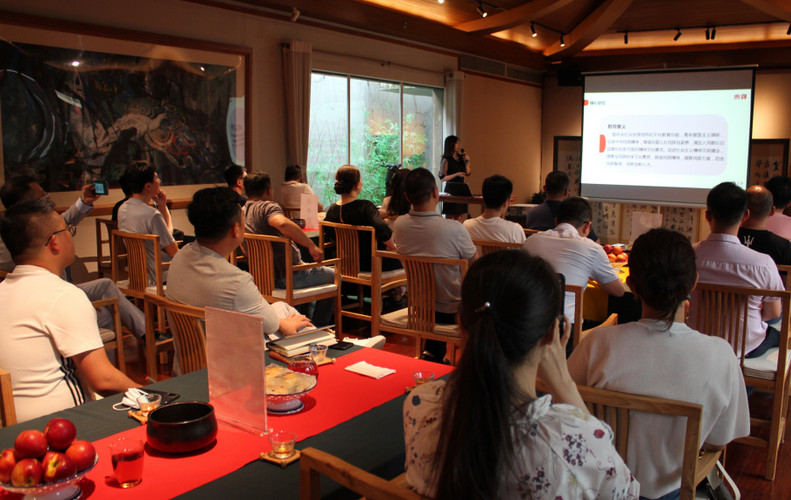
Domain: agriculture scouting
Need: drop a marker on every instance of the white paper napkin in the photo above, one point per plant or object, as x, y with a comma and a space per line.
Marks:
370, 370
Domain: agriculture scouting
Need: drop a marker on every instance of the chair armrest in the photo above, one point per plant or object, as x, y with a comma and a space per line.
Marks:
112, 301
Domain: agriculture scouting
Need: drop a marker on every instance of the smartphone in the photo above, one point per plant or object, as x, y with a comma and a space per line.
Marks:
100, 188
167, 397
561, 316
341, 346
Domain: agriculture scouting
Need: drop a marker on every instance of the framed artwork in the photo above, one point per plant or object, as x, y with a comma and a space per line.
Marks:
567, 157
768, 158
80, 102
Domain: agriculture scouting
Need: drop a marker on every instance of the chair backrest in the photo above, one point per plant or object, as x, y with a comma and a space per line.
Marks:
130, 249
347, 246
104, 229
7, 408
261, 260
314, 463
489, 246
722, 311
785, 273
3, 274
530, 232
187, 325
290, 212
421, 283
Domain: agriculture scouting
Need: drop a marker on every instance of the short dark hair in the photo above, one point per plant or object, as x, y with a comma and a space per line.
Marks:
213, 212
233, 173
138, 175
781, 191
293, 172
575, 211
496, 190
25, 225
16, 189
759, 202
556, 183
662, 270
257, 184
418, 186
726, 203
346, 178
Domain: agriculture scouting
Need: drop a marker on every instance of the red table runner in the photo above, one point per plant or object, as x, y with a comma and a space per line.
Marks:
339, 396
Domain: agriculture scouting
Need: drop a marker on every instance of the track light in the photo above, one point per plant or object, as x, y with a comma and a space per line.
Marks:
294, 14
562, 42
678, 35
481, 11
713, 32
626, 37
708, 34
533, 30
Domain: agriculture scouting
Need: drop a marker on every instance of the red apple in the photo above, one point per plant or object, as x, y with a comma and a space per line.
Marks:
27, 472
30, 444
82, 454
57, 466
7, 463
617, 250
60, 433
608, 249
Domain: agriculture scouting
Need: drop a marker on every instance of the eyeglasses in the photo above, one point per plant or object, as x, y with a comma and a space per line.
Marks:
70, 228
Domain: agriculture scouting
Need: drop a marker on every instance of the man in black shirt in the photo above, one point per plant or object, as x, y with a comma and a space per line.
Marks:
753, 232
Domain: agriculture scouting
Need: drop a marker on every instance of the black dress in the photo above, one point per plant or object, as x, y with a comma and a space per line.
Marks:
362, 213
455, 186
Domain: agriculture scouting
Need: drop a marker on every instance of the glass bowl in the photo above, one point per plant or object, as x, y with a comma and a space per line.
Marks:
63, 489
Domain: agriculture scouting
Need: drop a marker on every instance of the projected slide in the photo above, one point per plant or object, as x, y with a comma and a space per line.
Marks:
664, 145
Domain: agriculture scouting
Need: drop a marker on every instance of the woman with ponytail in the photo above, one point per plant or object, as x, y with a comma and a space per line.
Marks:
660, 356
486, 434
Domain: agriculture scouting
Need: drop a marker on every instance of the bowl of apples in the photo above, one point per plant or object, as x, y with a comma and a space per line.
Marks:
47, 465
617, 255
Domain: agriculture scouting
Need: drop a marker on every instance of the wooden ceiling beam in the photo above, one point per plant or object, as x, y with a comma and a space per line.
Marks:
588, 30
781, 9
512, 17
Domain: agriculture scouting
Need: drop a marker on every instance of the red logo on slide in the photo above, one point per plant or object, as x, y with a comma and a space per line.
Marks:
585, 102
602, 143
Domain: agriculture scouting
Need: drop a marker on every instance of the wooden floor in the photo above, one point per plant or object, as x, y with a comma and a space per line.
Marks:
745, 464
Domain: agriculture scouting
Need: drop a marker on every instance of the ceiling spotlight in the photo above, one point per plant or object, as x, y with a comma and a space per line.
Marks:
294, 14
708, 34
562, 42
480, 10
713, 32
626, 38
440, 1
678, 35
75, 63
533, 30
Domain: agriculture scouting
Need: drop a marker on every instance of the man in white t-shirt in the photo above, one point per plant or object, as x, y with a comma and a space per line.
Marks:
290, 192
573, 254
137, 216
490, 225
778, 222
50, 342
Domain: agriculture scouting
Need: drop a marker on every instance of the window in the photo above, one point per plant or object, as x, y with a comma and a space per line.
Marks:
370, 124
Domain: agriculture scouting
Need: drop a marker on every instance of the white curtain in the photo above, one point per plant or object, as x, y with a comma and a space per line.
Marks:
454, 84
296, 82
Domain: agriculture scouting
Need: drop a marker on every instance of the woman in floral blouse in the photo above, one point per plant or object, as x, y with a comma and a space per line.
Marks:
486, 434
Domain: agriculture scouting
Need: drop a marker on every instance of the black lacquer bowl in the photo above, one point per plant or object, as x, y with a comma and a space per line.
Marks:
181, 427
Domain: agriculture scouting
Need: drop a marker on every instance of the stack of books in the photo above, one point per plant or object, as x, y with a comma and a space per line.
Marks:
299, 344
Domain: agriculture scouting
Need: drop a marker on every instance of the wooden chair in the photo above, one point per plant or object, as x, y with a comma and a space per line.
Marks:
104, 231
611, 320
7, 408
576, 332
3, 274
489, 246
186, 324
417, 319
291, 212
314, 463
113, 338
530, 232
130, 259
721, 311
615, 409
347, 247
261, 259
785, 273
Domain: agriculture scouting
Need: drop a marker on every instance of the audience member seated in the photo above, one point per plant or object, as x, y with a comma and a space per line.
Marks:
234, 176
22, 188
352, 210
264, 216
778, 222
291, 191
395, 203
753, 232
137, 216
200, 274
123, 183
423, 231
572, 254
685, 365
50, 342
490, 225
542, 217
486, 433
723, 260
